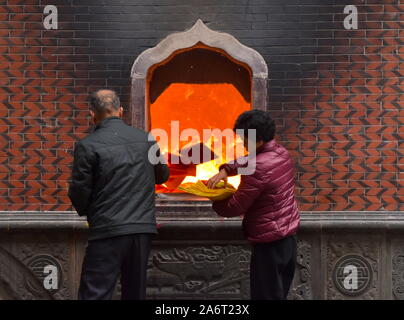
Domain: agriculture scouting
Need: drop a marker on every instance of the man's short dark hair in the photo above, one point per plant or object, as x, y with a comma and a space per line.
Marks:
258, 120
104, 101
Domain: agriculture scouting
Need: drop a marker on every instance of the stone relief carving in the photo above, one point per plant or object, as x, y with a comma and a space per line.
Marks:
12, 275
199, 272
203, 271
58, 250
302, 285
398, 274
37, 265
352, 275
368, 248
215, 272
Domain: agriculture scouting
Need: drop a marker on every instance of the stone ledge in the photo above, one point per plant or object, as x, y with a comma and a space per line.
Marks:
69, 220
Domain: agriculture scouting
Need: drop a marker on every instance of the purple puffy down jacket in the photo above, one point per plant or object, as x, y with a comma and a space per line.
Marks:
266, 198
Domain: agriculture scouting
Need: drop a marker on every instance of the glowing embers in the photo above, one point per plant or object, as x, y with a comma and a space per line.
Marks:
193, 108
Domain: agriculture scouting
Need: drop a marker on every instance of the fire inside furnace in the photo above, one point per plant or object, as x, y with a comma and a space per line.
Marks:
196, 106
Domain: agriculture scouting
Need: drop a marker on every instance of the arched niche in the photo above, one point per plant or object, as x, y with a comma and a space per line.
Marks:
181, 47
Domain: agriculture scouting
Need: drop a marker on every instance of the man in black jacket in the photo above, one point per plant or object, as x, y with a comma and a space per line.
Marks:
112, 184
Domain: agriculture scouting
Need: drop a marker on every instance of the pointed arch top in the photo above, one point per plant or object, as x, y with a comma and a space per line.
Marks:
200, 33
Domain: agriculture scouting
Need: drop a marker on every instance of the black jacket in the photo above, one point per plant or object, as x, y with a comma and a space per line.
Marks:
113, 180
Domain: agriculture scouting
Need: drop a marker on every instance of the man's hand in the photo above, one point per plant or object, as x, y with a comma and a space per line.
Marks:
222, 175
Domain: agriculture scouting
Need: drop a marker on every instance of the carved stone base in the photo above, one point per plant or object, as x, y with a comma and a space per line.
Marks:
340, 256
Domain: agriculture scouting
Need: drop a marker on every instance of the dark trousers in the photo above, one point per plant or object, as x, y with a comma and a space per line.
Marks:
105, 259
272, 269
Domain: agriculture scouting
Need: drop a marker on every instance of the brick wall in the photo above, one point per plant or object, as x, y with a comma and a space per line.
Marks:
336, 93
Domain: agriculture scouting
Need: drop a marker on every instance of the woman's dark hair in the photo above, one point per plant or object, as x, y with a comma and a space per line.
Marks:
258, 120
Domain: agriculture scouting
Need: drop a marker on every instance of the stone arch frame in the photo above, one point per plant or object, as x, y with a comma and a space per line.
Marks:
199, 33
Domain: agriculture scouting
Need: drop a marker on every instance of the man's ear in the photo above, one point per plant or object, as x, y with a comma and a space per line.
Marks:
93, 116
120, 112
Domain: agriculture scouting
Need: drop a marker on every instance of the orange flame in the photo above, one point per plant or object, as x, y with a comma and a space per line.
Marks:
199, 106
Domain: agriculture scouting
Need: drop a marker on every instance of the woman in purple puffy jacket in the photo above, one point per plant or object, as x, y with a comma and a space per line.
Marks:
266, 199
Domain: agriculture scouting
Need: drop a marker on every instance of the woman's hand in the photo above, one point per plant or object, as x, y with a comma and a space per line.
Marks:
222, 175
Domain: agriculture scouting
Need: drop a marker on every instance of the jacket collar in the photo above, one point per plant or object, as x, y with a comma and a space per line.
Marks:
269, 146
106, 122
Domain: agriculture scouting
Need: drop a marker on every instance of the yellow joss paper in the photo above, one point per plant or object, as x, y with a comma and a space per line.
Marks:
200, 189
